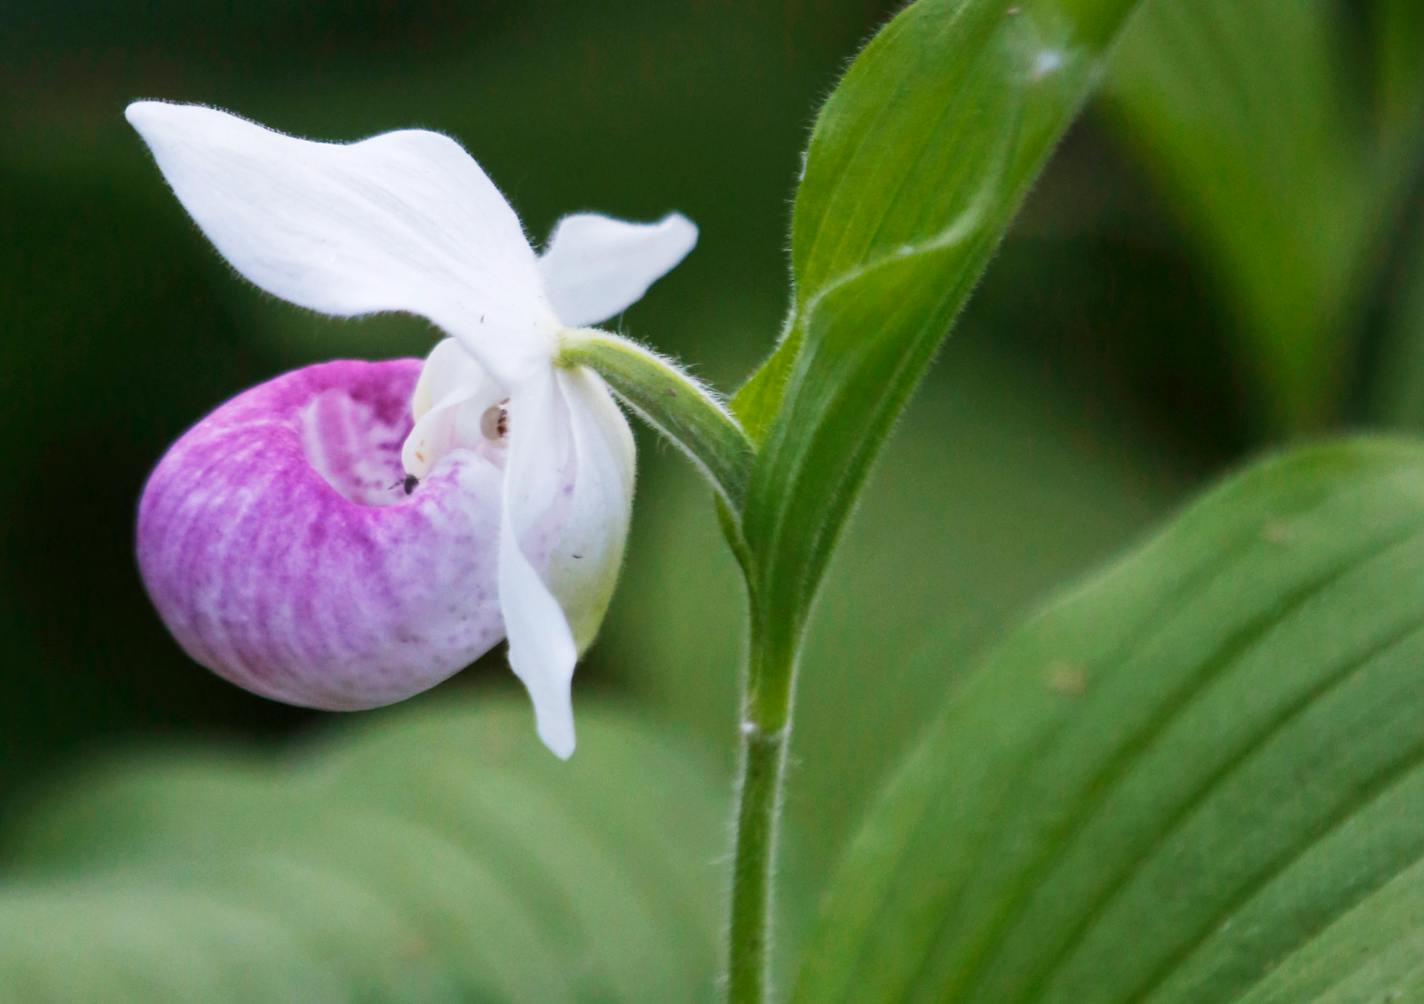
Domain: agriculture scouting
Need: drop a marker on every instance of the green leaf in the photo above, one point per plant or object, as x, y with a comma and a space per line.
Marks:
1199, 777
916, 165
1399, 72
1255, 119
439, 855
1398, 392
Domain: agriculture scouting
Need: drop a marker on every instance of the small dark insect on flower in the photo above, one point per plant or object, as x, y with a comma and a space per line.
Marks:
408, 483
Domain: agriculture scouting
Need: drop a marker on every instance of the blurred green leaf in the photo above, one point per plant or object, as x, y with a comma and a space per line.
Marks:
438, 855
1398, 394
1399, 74
1198, 777
916, 165
1256, 119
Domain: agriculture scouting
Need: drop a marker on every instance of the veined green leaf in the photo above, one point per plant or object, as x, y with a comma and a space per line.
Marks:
439, 855
916, 165
1199, 777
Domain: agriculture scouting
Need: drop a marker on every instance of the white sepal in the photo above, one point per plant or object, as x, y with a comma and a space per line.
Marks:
403, 221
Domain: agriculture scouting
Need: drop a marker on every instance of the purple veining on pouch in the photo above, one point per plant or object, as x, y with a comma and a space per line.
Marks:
279, 545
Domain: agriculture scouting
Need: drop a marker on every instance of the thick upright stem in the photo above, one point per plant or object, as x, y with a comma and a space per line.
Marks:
763, 757
766, 728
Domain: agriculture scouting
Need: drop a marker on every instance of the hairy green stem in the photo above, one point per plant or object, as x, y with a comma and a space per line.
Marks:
766, 728
671, 401
763, 757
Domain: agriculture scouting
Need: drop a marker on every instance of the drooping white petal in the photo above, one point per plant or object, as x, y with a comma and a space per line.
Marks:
402, 221
583, 567
538, 486
596, 266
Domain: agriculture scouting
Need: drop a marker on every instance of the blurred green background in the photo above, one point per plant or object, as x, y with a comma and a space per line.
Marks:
1227, 252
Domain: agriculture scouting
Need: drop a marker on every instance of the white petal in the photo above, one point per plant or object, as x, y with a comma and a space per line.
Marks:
537, 489
596, 266
401, 221
584, 565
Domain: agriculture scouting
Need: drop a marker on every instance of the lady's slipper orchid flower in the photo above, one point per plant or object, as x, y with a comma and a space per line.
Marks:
350, 534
